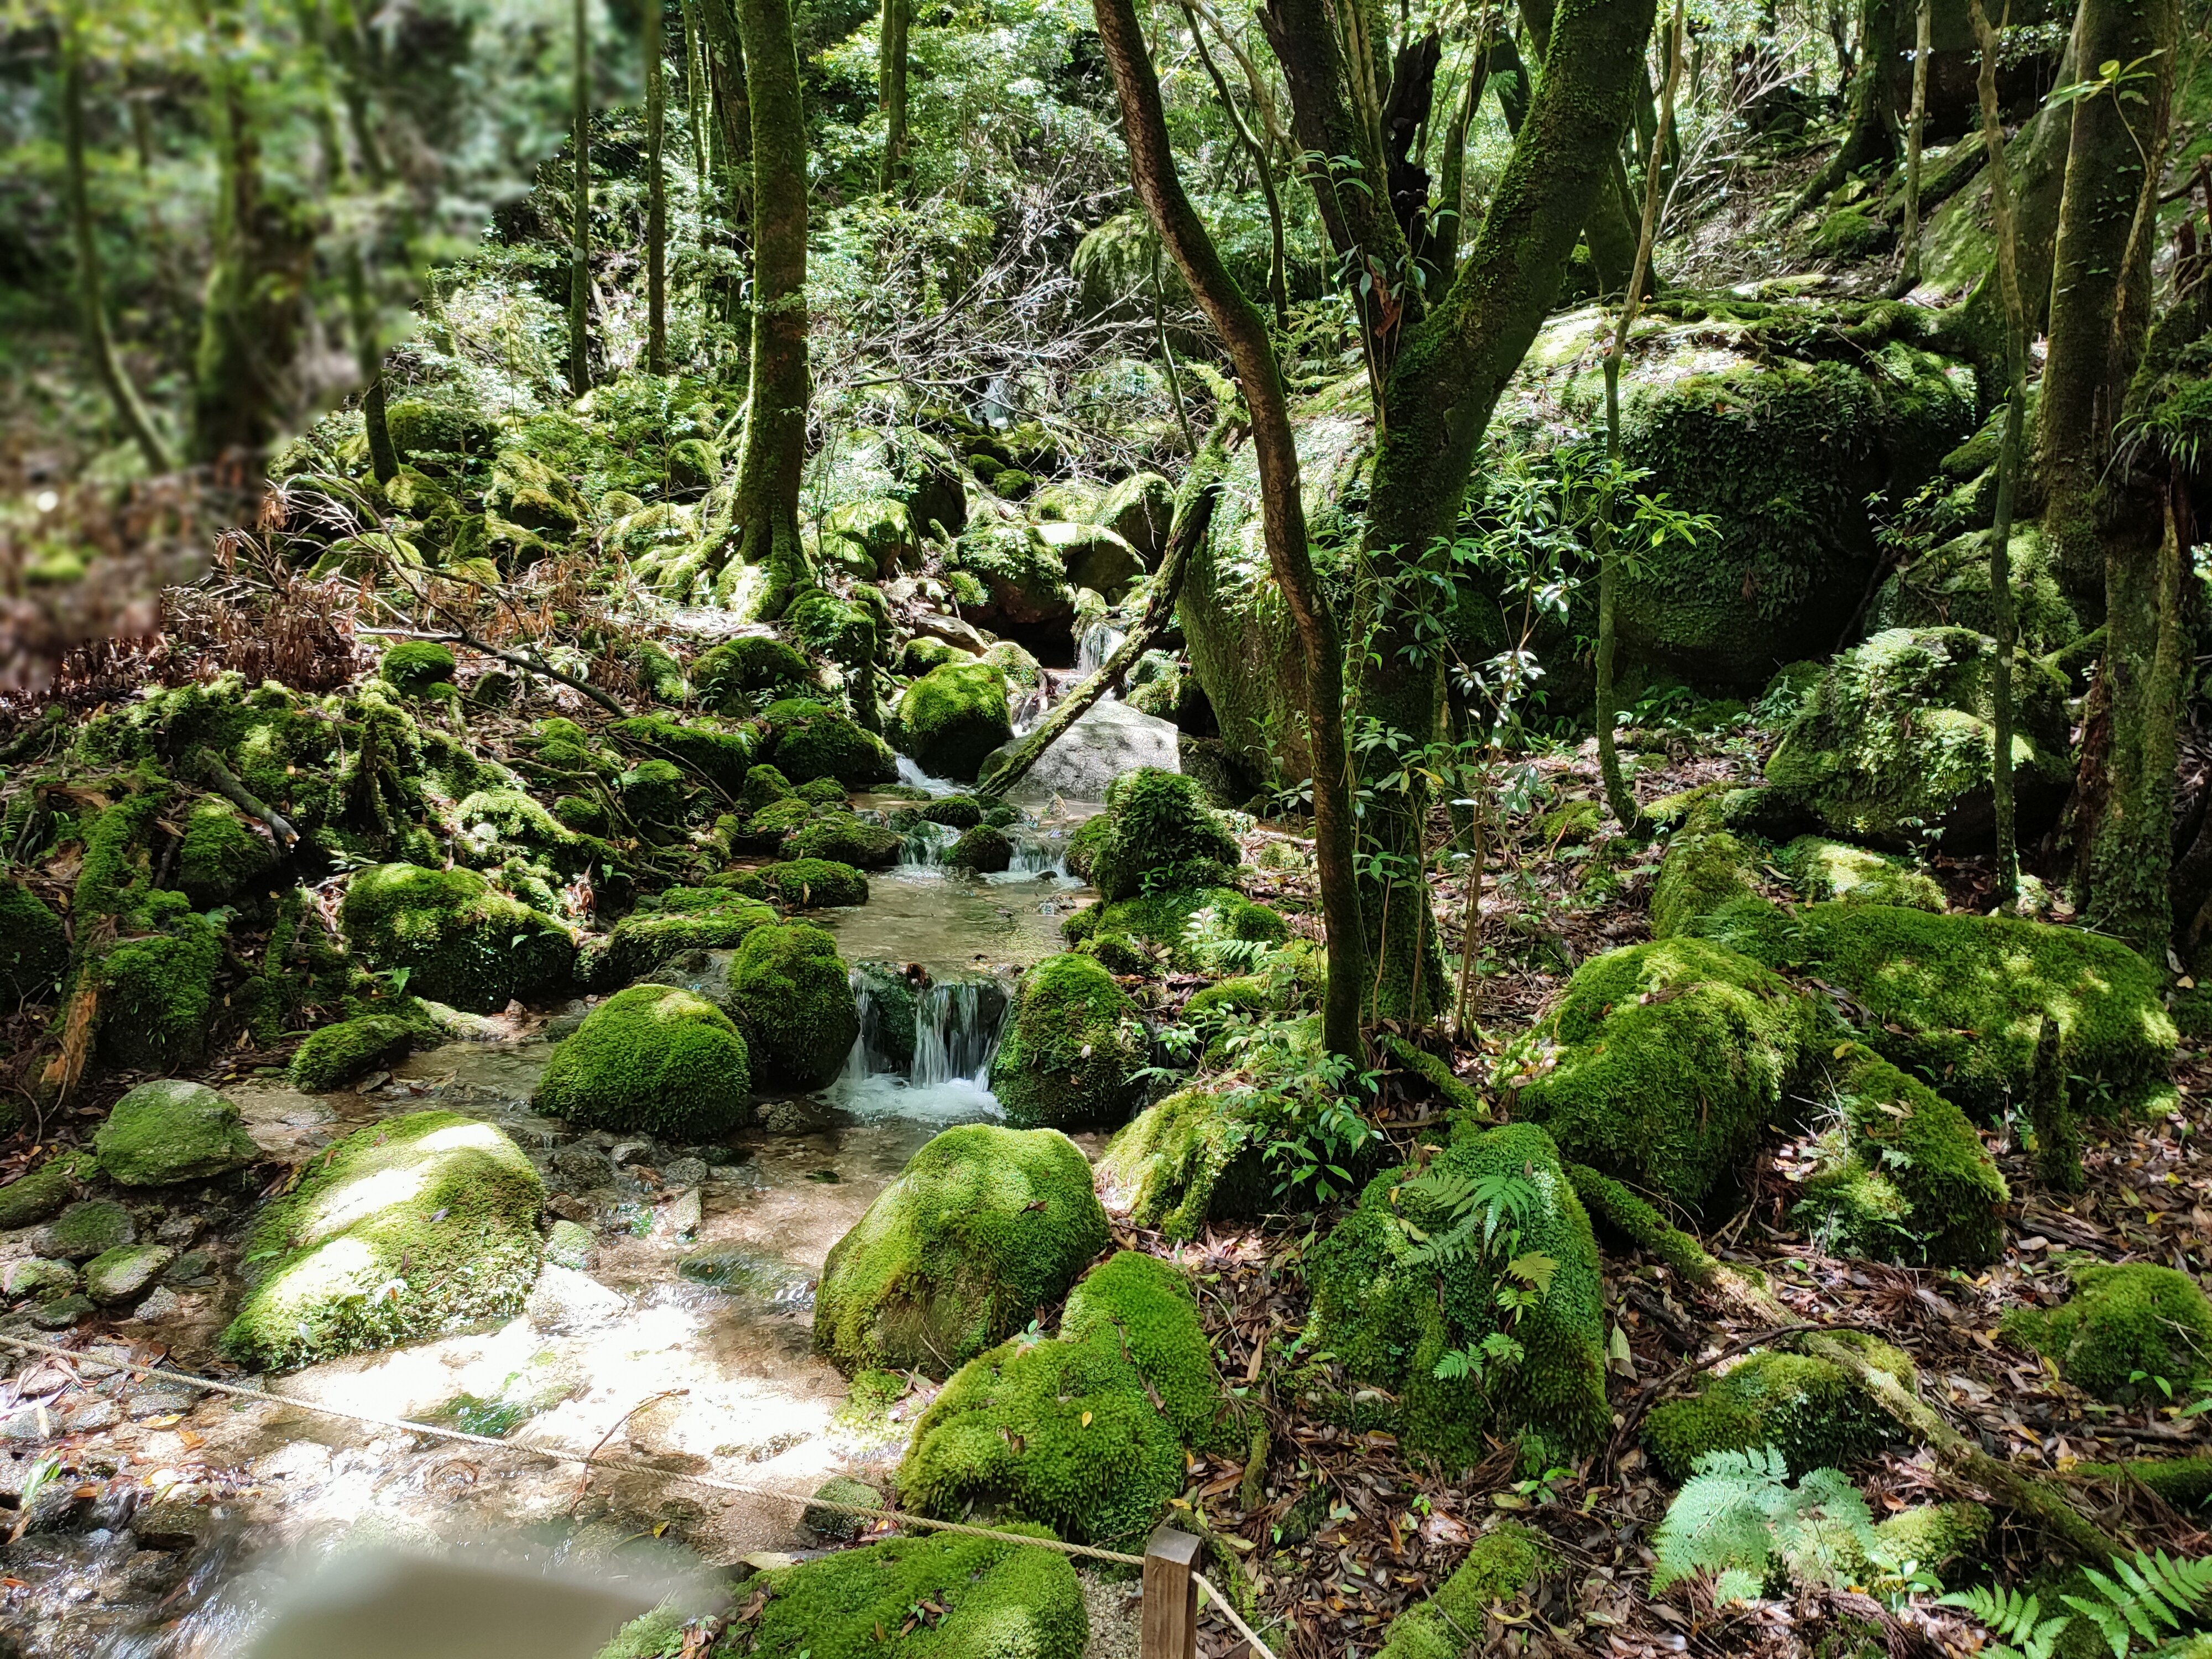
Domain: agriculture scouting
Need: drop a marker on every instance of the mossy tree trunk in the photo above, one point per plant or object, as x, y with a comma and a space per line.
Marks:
1916, 131
656, 192
1870, 124
890, 88
92, 303
723, 54
1282, 508
1610, 232
579, 222
1446, 378
774, 450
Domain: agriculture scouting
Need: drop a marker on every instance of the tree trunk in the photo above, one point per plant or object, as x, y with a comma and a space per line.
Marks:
579, 224
891, 84
1282, 508
774, 451
1908, 274
121, 392
1870, 124
1442, 390
656, 194
1278, 282
1610, 234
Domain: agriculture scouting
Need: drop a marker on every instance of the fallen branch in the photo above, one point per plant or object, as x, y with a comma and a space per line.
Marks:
210, 767
529, 663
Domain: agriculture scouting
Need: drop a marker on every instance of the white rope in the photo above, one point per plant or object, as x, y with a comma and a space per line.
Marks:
1233, 1617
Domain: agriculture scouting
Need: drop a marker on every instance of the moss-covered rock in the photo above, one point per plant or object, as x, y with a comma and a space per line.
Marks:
1500, 1564
843, 838
459, 941
1012, 576
405, 1229
1190, 1159
88, 1228
984, 1226
684, 919
1158, 832
1089, 1431
170, 1131
1894, 741
650, 1058
794, 998
413, 666
982, 849
812, 740
953, 716
1096, 559
1140, 510
337, 1055
33, 945
764, 786
654, 795
156, 984
1663, 1063
2184, 1482
1072, 1047
1000, 1600
1949, 586
44, 1193
2121, 1320
702, 747
749, 666
1809, 1410
804, 882
1389, 1311
1823, 871
1905, 1177
1707, 866
120, 1276
221, 853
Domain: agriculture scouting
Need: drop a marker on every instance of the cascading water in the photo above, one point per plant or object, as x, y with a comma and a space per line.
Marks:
937, 1066
911, 775
923, 852
1100, 640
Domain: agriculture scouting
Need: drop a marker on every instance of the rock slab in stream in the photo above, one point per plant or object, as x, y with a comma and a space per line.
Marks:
171, 1130
1111, 739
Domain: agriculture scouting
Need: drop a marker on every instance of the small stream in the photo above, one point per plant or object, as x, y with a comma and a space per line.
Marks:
694, 1355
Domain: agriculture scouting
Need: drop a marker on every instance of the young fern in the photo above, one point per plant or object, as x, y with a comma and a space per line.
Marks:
1739, 1517
2151, 1591
2014, 1619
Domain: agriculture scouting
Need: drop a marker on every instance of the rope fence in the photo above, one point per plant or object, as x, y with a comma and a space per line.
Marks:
1160, 1557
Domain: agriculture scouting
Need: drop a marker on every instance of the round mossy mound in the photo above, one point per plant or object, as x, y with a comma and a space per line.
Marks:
170, 1131
1807, 1409
1157, 825
413, 666
984, 1226
812, 740
336, 1054
794, 997
816, 882
650, 1058
982, 849
841, 838
1186, 1161
460, 942
954, 716
221, 853
1072, 1047
2123, 1326
406, 1228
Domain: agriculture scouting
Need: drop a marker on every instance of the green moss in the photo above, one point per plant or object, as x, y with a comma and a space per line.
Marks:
812, 740
1189, 1160
221, 853
2184, 1482
1895, 742
1145, 1307
1949, 586
460, 942
1072, 1047
172, 1131
43, 1193
650, 1058
1001, 1600
2120, 1320
1706, 867
719, 920
816, 882
728, 674
33, 947
699, 746
1018, 578
1158, 832
494, 819
794, 998
412, 666
953, 716
982, 849
843, 631
1622, 1213
654, 795
1664, 1063
843, 838
157, 991
336, 1054
954, 811
765, 831
1389, 1316
1809, 1410
1167, 921
408, 1228
764, 786
984, 1226
1907, 1178
824, 791
1935, 1534
1961, 999
1823, 871
1499, 1566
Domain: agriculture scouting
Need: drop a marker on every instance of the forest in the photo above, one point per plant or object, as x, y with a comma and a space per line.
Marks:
823, 818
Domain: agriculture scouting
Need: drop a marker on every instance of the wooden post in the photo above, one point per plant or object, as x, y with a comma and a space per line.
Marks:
1170, 1608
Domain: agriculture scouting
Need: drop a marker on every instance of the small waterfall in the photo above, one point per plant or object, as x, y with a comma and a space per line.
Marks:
1035, 859
956, 1032
1029, 704
923, 852
923, 1051
1100, 640
911, 775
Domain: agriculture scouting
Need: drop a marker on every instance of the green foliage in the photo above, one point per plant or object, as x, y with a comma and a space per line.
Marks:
730, 675
412, 666
2123, 1326
1160, 834
1739, 1519
2130, 1604
652, 1058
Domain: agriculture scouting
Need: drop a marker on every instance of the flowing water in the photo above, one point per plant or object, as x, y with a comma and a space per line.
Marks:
693, 1352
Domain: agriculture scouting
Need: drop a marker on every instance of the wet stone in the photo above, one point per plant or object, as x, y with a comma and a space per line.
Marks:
683, 1172
171, 1524
61, 1313
122, 1275
581, 1169
192, 1268
570, 1244
85, 1230
38, 1279
157, 1305
564, 1300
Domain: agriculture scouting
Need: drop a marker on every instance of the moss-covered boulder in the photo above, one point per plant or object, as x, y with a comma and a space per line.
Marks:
650, 1058
1098, 560
793, 996
43, 1193
88, 1228
1140, 510
1170, 925
843, 838
1809, 1410
163, 1133
1158, 832
812, 740
1707, 866
221, 853
33, 945
984, 1226
728, 675
1663, 1063
413, 666
156, 983
814, 882
702, 747
1825, 871
1089, 1431
338, 1054
654, 795
1500, 1564
953, 716
1893, 742
1192, 1158
1949, 586
984, 850
1903, 1175
1390, 1308
2120, 1323
1072, 1047
1007, 576
459, 942
991, 1598
679, 920
405, 1229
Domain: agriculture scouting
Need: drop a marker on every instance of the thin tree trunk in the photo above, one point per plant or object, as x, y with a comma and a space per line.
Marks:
694, 114
579, 231
1908, 275
656, 194
1278, 283
890, 85
91, 301
2006, 230
1870, 127
774, 447
1610, 233
1617, 794
1451, 187
1153, 169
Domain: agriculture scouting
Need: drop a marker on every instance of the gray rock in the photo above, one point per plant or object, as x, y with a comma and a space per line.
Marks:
85, 1230
158, 1304
171, 1524
179, 1232
192, 1268
169, 1131
570, 1244
62, 1312
122, 1275
38, 1279
681, 1215
632, 1151
581, 1169
1112, 738
683, 1172
564, 1301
